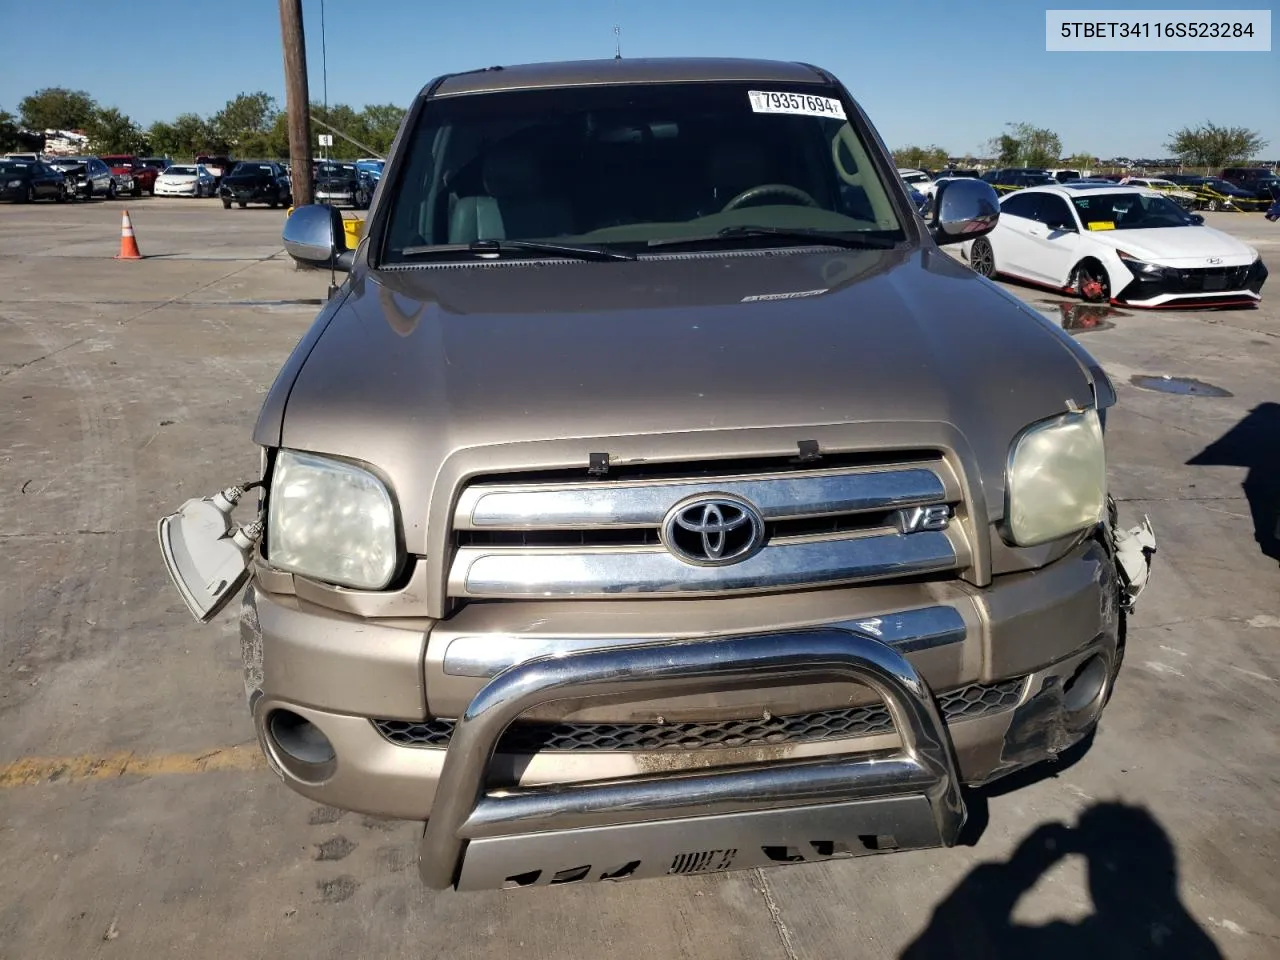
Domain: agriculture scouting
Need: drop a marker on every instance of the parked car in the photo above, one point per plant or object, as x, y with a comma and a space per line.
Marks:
750, 611
1213, 193
918, 200
89, 177
915, 178
1183, 198
255, 182
954, 172
1124, 244
1246, 178
342, 183
186, 180
141, 176
1064, 176
219, 165
1017, 178
24, 181
372, 166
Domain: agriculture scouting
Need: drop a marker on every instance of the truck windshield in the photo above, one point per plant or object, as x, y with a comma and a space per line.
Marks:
632, 166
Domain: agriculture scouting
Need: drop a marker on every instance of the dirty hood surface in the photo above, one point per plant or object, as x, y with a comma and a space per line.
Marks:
682, 357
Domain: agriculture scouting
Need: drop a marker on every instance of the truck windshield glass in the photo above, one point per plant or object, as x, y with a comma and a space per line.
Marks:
621, 166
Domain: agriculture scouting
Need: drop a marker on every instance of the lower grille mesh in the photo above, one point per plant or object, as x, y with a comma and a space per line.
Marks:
964, 703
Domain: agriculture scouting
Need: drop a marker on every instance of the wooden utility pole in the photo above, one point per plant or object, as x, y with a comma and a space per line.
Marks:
297, 101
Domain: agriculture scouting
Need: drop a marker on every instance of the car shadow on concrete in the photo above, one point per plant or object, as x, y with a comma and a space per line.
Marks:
1254, 443
1133, 883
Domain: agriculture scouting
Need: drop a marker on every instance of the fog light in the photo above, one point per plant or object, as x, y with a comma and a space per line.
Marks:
298, 739
1086, 685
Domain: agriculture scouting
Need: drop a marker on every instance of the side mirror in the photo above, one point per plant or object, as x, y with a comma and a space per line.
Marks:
314, 235
963, 210
1197, 219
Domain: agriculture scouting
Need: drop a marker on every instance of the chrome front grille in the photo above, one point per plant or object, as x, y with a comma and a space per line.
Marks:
607, 538
964, 703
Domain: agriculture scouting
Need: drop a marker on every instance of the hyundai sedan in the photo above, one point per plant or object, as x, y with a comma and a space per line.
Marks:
1117, 244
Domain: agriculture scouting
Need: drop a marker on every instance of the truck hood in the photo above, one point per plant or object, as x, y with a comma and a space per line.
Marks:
514, 366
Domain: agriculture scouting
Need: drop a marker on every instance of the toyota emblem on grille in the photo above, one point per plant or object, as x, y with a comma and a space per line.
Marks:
713, 531
1214, 260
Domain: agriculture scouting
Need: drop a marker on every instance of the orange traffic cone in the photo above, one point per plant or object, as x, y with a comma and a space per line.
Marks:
128, 243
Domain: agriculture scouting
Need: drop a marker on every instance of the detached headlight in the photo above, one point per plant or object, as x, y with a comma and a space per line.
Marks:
332, 521
1057, 478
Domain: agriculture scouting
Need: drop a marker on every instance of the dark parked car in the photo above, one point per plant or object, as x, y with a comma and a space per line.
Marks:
1018, 177
1246, 177
1215, 192
26, 180
343, 183
89, 177
255, 182
954, 172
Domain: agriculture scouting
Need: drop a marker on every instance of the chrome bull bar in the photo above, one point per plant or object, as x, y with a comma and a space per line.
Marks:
727, 818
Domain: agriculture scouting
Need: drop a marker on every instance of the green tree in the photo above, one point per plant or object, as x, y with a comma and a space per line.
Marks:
1007, 149
382, 120
57, 108
1025, 145
921, 158
111, 131
277, 139
1213, 146
184, 137
9, 139
348, 121
1080, 161
245, 123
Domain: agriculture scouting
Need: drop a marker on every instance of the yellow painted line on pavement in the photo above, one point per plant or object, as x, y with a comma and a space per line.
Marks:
30, 771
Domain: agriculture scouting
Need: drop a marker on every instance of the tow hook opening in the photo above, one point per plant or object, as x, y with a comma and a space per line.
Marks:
300, 747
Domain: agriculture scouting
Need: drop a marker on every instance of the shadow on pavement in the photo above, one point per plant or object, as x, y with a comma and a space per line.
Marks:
1133, 877
1254, 443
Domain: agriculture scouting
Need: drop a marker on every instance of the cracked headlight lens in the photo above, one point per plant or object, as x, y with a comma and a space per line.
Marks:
331, 520
1057, 478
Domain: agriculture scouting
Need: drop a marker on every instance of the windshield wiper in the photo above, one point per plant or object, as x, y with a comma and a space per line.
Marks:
794, 234
499, 247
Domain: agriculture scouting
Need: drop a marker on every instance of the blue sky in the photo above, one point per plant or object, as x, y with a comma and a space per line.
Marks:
946, 73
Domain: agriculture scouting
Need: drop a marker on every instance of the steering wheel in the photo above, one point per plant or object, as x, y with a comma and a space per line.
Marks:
768, 189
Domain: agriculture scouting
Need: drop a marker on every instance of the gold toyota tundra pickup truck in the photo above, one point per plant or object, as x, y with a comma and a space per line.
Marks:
655, 497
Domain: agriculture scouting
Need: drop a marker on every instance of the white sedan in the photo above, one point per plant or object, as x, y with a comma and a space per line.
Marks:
188, 180
1125, 245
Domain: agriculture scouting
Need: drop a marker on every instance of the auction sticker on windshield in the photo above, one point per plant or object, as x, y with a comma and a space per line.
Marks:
801, 103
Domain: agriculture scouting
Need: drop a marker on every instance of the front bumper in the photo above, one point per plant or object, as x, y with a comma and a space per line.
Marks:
1036, 653
247, 194
1199, 288
170, 190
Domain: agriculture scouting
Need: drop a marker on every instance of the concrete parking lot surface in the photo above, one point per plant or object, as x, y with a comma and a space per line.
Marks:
136, 819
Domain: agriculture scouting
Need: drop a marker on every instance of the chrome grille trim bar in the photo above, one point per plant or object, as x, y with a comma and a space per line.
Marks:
487, 655
560, 572
639, 503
